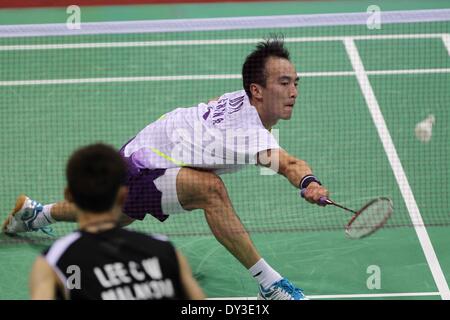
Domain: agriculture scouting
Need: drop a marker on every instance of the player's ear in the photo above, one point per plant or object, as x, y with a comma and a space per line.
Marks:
67, 195
122, 195
256, 90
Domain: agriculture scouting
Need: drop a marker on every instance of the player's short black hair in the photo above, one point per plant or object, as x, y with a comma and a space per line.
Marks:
94, 175
253, 70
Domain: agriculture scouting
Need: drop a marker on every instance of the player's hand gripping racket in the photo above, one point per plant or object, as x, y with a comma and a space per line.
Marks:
371, 217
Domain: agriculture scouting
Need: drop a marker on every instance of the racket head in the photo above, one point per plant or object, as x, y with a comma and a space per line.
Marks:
371, 217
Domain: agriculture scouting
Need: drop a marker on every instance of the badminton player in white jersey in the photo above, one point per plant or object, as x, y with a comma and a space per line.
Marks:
175, 163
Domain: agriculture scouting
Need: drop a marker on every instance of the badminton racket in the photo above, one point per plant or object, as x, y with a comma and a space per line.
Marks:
365, 221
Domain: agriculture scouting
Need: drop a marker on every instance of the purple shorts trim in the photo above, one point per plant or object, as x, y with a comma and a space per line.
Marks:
143, 196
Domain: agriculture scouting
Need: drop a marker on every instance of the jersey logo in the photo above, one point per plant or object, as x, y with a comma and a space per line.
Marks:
206, 114
219, 110
236, 104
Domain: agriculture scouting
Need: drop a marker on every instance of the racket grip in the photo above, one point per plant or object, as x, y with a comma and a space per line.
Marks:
323, 201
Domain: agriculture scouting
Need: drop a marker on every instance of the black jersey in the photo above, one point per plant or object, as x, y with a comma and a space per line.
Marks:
116, 264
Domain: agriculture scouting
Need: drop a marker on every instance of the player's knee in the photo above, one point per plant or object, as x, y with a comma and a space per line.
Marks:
200, 190
214, 189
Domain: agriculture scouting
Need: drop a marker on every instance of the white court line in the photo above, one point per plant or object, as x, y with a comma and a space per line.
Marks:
349, 296
118, 79
11, 83
446, 40
410, 71
167, 43
397, 168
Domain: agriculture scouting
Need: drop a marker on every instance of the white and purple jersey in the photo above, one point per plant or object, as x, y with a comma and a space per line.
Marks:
222, 135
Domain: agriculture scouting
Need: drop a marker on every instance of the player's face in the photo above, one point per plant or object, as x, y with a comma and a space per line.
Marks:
280, 91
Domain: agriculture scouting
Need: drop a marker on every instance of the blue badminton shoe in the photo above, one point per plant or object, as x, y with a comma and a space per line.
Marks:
281, 290
22, 216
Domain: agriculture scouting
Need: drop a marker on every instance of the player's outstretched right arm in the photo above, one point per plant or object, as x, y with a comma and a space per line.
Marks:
190, 285
295, 170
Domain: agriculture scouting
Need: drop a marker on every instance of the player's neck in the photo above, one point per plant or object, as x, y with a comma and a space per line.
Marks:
94, 222
266, 119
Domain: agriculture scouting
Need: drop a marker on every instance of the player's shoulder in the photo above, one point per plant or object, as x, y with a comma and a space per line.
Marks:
60, 246
232, 109
235, 100
233, 94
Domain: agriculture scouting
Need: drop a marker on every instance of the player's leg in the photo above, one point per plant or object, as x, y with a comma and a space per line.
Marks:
65, 211
205, 190
178, 190
30, 215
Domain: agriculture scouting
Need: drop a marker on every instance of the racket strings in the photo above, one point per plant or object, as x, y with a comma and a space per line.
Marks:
370, 218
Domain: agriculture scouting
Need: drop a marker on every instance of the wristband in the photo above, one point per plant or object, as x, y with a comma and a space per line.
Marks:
306, 180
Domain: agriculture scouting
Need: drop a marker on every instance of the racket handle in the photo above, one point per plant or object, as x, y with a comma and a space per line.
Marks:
323, 201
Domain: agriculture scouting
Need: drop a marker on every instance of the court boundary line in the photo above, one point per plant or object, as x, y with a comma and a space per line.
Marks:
209, 24
397, 168
446, 41
11, 83
348, 296
163, 43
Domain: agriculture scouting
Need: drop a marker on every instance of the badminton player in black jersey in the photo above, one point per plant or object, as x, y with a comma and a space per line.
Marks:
102, 260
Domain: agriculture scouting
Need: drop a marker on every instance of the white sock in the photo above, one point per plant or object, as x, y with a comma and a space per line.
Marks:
264, 274
45, 218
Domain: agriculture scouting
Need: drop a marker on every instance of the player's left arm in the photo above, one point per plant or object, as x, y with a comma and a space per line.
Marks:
191, 287
43, 281
297, 171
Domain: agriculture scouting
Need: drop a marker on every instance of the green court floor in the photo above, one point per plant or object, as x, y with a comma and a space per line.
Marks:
332, 128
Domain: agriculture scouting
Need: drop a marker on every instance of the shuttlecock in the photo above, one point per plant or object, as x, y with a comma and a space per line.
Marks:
424, 129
